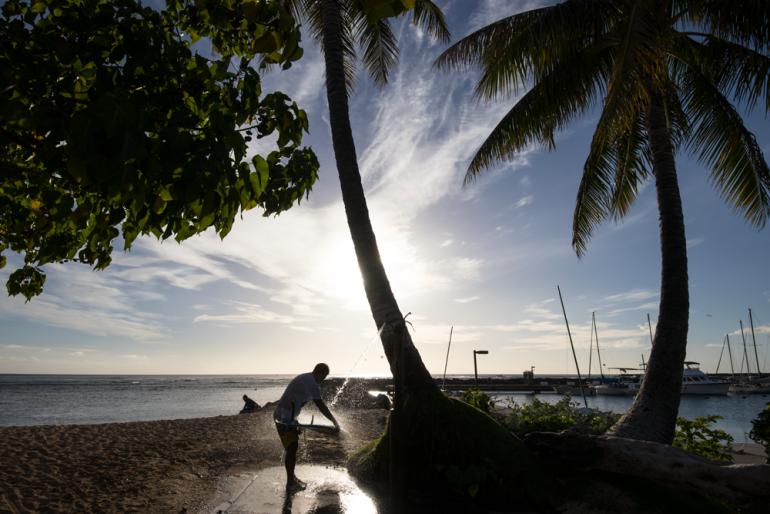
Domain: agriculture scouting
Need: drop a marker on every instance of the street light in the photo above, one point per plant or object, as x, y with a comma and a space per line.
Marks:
475, 367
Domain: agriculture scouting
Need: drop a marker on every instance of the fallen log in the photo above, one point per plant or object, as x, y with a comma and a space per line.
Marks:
659, 463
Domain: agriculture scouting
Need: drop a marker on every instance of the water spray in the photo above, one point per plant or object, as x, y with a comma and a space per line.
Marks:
339, 392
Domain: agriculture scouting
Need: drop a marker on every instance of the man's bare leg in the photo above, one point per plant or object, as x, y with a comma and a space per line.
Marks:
290, 462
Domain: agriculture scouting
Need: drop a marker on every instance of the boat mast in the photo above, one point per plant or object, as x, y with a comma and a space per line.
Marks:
596, 331
574, 355
649, 325
721, 353
590, 348
443, 382
756, 355
730, 354
745, 353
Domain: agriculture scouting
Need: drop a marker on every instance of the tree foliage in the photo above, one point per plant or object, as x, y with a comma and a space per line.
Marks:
366, 30
698, 437
540, 416
114, 124
696, 55
760, 430
479, 399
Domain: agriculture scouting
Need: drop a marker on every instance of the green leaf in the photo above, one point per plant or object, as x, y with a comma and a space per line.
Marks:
159, 205
132, 130
380, 9
165, 194
267, 44
258, 180
250, 10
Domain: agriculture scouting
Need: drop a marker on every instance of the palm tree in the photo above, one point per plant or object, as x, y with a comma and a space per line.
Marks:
426, 439
665, 72
340, 26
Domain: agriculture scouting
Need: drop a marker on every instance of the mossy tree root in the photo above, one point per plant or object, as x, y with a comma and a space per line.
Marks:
448, 445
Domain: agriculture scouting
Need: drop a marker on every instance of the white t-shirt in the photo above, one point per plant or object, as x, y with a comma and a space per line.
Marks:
300, 390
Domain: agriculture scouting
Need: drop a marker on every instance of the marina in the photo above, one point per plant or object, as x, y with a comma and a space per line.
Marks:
147, 398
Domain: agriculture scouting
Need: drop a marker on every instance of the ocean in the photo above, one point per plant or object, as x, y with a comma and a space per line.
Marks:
85, 399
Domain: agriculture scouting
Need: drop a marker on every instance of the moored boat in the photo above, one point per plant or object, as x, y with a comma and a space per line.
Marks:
695, 381
573, 389
623, 385
751, 386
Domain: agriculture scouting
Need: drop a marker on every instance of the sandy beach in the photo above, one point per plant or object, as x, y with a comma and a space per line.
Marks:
154, 466
167, 466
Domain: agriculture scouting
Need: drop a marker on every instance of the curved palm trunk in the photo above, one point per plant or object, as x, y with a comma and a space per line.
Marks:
405, 362
652, 417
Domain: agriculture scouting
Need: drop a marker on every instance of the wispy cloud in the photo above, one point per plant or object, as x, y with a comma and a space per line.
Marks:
494, 10
247, 313
468, 299
641, 307
539, 310
631, 295
524, 201
90, 302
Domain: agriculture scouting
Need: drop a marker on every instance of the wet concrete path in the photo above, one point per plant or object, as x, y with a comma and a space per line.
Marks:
329, 491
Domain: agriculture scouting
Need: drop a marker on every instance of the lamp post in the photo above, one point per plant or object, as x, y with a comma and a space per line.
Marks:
475, 366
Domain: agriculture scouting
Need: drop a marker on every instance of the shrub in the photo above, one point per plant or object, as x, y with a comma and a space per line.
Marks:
478, 399
760, 430
696, 436
540, 416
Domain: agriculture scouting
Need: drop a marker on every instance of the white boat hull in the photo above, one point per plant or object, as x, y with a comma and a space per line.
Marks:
750, 388
609, 390
714, 388
573, 390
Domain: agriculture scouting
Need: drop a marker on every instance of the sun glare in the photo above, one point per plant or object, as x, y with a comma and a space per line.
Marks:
338, 275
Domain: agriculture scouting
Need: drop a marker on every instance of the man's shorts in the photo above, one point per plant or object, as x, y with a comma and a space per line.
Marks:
289, 435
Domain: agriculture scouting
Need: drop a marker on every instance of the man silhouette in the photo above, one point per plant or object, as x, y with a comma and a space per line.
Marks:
301, 389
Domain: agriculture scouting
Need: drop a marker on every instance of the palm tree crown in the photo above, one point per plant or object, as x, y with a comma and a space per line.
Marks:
369, 32
693, 54
664, 71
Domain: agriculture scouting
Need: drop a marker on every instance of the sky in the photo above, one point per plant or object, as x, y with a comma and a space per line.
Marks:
280, 294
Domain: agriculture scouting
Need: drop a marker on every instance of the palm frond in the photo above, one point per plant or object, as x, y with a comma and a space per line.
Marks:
611, 177
297, 8
723, 143
528, 44
592, 205
428, 16
632, 164
745, 22
553, 101
636, 69
379, 45
739, 72
312, 15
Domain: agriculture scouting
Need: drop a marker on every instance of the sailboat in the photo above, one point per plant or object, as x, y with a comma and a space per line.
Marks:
573, 389
626, 384
748, 384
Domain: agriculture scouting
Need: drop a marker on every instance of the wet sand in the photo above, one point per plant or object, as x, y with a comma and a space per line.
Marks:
187, 465
154, 466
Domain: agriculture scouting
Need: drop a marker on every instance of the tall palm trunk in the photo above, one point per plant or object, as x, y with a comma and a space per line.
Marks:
409, 371
652, 416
